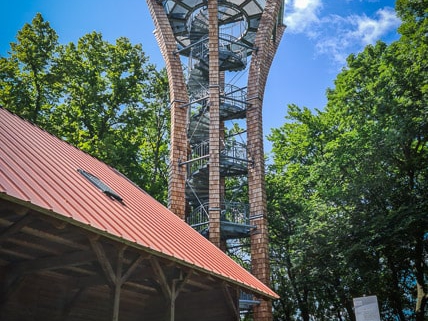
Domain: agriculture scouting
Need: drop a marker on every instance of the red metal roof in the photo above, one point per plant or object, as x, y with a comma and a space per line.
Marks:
42, 170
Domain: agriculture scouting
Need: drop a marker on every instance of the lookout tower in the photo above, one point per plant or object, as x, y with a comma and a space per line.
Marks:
216, 120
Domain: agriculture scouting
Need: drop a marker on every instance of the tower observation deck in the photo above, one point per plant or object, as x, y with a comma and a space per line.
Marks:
218, 54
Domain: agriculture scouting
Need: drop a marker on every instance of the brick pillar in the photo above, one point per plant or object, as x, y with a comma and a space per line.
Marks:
267, 40
257, 196
178, 97
214, 101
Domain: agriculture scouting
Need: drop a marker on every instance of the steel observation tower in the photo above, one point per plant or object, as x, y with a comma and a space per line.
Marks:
216, 119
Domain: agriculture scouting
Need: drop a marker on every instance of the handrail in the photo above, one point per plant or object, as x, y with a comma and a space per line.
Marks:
232, 212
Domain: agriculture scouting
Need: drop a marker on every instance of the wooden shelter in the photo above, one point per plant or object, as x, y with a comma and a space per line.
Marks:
79, 241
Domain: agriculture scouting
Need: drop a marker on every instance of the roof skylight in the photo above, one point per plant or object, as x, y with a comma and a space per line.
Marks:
100, 185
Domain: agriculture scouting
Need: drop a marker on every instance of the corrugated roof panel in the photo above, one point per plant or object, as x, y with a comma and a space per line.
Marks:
39, 168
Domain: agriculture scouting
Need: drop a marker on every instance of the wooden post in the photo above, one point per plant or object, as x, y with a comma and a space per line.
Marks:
115, 280
118, 285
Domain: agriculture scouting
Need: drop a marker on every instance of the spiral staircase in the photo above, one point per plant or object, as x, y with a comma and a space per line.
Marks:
238, 21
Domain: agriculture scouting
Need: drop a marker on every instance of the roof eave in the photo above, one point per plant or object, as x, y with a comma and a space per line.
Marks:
267, 295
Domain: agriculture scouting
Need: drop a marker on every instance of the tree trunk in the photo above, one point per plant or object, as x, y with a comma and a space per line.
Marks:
422, 295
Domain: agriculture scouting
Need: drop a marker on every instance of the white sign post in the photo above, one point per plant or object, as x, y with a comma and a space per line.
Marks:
366, 308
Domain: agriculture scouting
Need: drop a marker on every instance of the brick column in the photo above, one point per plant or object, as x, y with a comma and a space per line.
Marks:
267, 40
214, 101
178, 97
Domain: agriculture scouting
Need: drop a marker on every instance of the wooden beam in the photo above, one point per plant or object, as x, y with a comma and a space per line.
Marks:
142, 287
47, 236
52, 263
174, 294
70, 303
93, 280
183, 283
199, 285
15, 227
231, 301
9, 286
163, 282
115, 278
172, 291
25, 244
103, 260
16, 253
132, 268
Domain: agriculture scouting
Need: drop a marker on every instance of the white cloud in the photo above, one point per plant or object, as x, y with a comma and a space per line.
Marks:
301, 14
334, 35
301, 4
370, 30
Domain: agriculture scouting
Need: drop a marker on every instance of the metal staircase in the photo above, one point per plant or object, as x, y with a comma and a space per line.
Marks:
238, 21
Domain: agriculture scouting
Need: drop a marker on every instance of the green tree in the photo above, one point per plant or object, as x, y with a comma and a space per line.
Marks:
303, 228
412, 88
27, 85
384, 95
349, 188
106, 99
154, 136
114, 108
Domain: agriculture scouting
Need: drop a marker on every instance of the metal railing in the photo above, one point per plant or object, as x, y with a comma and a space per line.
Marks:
234, 151
233, 212
199, 156
233, 155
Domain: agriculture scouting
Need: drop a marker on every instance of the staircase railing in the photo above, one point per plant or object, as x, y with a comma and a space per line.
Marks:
234, 151
199, 156
233, 102
233, 157
199, 219
232, 212
236, 212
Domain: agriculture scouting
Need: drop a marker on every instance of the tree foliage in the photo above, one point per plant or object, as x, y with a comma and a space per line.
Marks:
348, 187
27, 86
106, 99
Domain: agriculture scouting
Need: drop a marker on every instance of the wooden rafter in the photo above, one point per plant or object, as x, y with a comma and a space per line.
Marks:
132, 268
52, 263
15, 227
163, 282
103, 260
47, 236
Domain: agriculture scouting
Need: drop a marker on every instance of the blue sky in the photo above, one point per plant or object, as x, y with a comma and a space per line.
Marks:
320, 35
